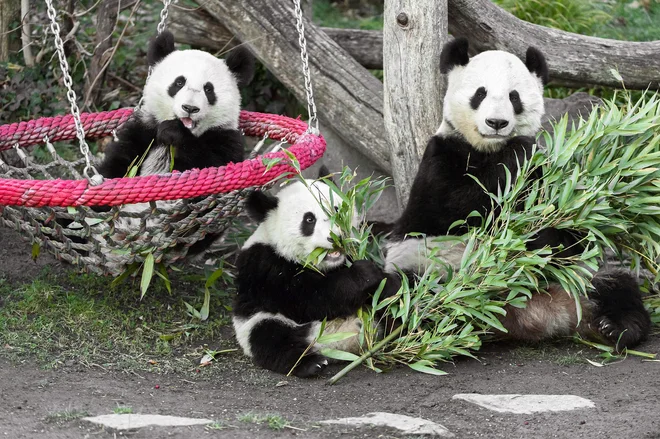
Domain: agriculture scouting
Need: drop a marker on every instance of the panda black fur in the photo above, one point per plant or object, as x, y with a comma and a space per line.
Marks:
192, 103
492, 110
280, 304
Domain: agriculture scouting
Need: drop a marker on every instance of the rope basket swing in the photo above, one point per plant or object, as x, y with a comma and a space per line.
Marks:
51, 204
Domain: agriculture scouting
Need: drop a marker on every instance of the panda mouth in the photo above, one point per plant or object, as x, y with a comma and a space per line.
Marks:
494, 136
188, 122
334, 255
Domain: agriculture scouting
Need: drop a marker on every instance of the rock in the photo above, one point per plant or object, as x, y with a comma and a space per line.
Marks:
403, 423
133, 421
526, 404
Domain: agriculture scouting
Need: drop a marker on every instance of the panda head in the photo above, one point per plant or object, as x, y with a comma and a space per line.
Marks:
296, 222
194, 86
492, 96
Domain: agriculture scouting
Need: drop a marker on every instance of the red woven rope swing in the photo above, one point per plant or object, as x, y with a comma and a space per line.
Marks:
306, 147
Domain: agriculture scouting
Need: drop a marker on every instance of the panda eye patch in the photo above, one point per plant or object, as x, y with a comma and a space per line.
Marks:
514, 97
478, 97
308, 224
177, 85
209, 91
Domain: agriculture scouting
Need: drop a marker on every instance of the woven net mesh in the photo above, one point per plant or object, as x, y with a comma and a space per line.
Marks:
107, 242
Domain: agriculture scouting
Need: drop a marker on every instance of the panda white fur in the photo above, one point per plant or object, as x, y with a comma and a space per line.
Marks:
192, 104
280, 303
491, 111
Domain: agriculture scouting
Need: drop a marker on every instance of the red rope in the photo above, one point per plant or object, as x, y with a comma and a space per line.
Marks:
61, 128
307, 148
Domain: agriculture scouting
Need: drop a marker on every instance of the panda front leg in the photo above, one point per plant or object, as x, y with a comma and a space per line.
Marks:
279, 344
619, 313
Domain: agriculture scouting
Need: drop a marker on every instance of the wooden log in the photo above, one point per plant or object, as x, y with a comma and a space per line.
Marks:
413, 35
348, 97
106, 18
198, 28
571, 57
10, 10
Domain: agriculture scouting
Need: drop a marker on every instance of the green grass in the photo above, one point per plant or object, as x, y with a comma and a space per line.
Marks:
122, 410
328, 14
69, 318
65, 416
274, 421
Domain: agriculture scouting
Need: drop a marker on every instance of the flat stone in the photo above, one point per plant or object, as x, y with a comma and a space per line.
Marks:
132, 421
527, 404
405, 424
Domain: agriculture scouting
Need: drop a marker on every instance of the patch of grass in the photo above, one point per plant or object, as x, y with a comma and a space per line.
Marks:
632, 23
274, 421
70, 318
578, 16
329, 14
65, 416
122, 410
563, 354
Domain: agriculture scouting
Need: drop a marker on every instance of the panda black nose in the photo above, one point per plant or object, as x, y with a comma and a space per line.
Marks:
190, 109
497, 124
330, 240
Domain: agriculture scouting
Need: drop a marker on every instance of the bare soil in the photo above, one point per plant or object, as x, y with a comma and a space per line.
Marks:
37, 403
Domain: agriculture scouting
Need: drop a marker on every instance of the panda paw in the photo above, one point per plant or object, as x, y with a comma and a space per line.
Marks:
627, 331
368, 272
172, 133
310, 366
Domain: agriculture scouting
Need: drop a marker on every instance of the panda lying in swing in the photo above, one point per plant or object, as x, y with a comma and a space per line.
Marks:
492, 110
189, 119
191, 108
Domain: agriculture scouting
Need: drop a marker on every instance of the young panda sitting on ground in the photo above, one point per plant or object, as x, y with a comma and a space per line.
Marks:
492, 110
281, 303
191, 108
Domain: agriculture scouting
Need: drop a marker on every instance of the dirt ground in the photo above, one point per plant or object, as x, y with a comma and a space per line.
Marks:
38, 403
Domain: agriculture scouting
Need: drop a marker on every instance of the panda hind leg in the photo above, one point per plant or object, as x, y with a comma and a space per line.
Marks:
279, 346
619, 314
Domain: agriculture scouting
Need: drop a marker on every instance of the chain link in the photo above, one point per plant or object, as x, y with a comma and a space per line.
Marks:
71, 95
313, 125
161, 27
163, 16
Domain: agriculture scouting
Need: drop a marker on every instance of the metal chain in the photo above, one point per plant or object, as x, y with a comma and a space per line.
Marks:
71, 96
161, 27
313, 125
163, 16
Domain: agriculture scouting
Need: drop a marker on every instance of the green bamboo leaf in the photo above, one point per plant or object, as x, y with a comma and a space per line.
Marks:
147, 274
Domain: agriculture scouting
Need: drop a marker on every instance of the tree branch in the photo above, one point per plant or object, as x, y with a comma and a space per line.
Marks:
571, 57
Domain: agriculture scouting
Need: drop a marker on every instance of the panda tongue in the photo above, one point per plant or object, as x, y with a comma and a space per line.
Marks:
188, 122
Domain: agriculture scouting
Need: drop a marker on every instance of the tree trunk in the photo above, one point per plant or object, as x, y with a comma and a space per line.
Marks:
571, 57
9, 13
413, 35
348, 97
106, 17
199, 29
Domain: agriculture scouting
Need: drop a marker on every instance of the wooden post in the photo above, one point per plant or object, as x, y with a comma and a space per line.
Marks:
9, 11
413, 35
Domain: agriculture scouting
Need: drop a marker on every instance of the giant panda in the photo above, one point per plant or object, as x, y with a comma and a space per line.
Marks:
188, 119
281, 302
191, 106
491, 112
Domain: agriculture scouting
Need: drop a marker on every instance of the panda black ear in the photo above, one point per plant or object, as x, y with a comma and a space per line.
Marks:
455, 53
535, 62
160, 47
325, 174
241, 63
258, 204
